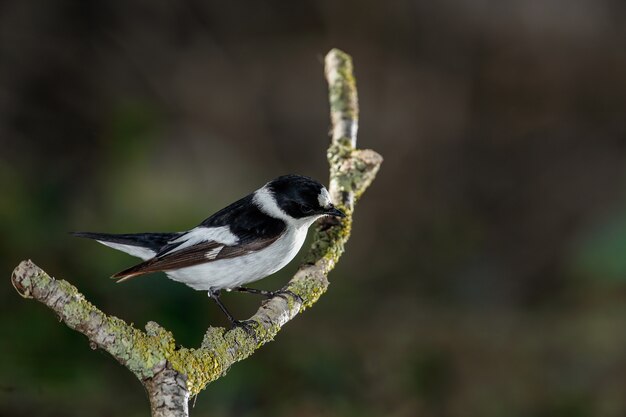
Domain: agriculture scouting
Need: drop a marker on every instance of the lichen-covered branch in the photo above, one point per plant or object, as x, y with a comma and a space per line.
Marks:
172, 374
342, 95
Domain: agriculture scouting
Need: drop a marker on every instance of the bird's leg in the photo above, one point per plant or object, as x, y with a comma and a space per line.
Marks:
265, 293
215, 296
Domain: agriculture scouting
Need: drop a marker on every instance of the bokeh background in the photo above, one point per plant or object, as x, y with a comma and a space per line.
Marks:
486, 275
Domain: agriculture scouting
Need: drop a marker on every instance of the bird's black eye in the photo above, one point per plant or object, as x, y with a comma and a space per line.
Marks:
304, 209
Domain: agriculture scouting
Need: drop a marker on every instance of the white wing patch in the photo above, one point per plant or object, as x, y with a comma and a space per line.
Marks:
324, 198
212, 254
221, 234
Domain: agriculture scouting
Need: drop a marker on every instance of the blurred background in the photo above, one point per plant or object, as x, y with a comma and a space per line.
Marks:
486, 274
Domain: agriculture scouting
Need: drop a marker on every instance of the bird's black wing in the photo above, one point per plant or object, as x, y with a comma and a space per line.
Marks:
246, 221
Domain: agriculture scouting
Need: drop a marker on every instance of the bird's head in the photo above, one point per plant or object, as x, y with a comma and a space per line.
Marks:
301, 197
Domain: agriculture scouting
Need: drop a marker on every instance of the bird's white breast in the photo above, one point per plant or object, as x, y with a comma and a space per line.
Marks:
234, 272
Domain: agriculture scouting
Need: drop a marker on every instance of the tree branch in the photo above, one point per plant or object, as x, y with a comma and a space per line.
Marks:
171, 375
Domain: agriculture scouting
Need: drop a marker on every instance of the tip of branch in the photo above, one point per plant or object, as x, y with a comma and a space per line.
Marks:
21, 277
369, 157
337, 53
342, 96
338, 67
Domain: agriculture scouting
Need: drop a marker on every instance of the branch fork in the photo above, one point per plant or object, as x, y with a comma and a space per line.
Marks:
171, 374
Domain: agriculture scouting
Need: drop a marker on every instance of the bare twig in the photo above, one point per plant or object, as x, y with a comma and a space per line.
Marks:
171, 375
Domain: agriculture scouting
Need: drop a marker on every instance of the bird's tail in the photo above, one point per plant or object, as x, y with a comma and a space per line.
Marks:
141, 245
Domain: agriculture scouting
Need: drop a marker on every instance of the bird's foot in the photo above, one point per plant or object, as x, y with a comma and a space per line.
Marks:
285, 293
247, 325
268, 294
264, 293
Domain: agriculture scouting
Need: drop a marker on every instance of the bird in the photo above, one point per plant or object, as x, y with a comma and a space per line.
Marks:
244, 242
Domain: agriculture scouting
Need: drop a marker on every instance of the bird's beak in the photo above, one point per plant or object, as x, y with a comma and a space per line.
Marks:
334, 211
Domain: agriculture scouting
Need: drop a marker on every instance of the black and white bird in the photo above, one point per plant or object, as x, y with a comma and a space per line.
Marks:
242, 243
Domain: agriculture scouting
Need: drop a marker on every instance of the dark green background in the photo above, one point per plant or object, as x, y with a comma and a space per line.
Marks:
486, 275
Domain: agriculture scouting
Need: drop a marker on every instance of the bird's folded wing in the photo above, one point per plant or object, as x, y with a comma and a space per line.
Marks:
196, 254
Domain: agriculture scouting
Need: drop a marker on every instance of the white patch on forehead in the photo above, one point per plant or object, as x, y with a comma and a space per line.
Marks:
265, 201
324, 198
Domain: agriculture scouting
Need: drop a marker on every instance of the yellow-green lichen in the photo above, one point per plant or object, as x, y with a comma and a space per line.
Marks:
265, 334
328, 243
220, 349
200, 366
139, 352
291, 302
342, 93
308, 290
